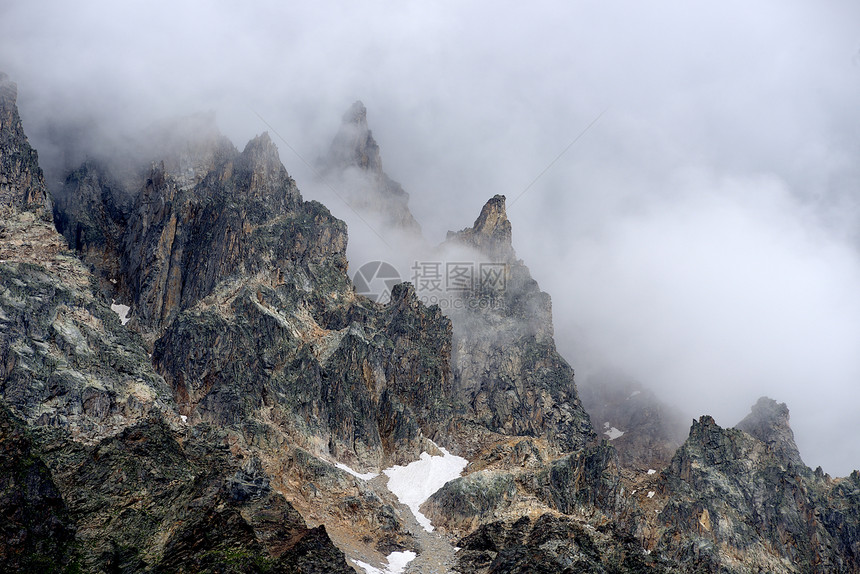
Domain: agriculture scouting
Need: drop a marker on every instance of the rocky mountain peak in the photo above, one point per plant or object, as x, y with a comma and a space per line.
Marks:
22, 184
356, 114
262, 150
354, 166
354, 146
768, 422
493, 221
491, 232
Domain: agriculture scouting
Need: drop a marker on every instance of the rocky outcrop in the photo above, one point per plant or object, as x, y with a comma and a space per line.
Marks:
550, 544
586, 484
733, 503
22, 184
491, 233
353, 166
144, 502
359, 382
768, 422
181, 242
65, 359
506, 367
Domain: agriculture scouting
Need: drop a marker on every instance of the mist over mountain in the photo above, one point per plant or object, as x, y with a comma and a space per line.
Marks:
199, 370
192, 380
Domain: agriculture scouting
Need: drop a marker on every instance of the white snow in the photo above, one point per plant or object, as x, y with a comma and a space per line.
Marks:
184, 418
650, 494
634, 393
651, 471
362, 476
613, 433
417, 481
397, 562
121, 310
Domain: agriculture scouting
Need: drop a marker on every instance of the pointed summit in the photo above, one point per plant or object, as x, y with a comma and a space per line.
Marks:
356, 114
491, 232
354, 146
22, 184
353, 165
768, 422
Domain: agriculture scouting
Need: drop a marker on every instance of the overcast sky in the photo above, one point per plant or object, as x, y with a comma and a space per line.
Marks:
702, 235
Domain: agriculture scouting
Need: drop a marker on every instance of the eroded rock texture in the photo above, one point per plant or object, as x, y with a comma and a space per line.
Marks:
22, 184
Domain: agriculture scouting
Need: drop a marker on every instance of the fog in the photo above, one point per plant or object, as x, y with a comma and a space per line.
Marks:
701, 235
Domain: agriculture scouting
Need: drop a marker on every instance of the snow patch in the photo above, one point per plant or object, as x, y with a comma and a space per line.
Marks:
650, 494
184, 418
634, 393
651, 471
397, 562
121, 310
362, 476
414, 483
613, 433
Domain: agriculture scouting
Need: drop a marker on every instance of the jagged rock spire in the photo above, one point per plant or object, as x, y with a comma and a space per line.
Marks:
354, 166
22, 184
491, 232
354, 144
768, 422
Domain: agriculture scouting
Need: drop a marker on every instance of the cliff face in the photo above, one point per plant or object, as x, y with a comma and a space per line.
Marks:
22, 184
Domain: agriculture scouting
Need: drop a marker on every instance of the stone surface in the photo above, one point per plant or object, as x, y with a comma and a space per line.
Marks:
22, 184
732, 502
768, 422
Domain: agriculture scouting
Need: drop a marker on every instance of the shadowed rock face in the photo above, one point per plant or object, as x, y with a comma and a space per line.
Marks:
22, 184
36, 530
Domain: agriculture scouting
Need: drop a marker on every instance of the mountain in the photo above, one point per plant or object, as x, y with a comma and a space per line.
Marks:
191, 383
